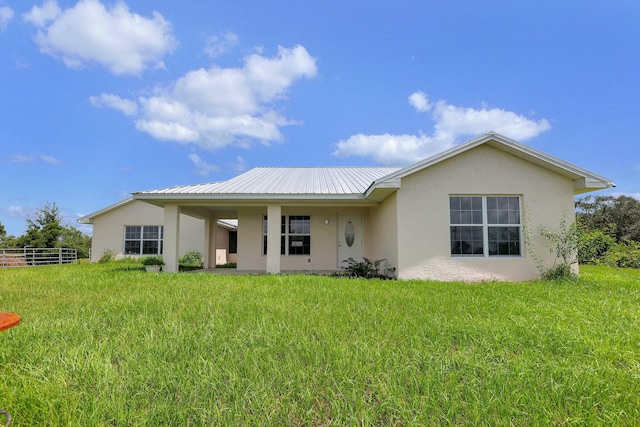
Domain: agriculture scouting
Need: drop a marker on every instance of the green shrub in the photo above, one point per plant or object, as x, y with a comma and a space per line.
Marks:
593, 246
227, 265
152, 260
107, 256
368, 269
625, 255
564, 243
190, 261
559, 272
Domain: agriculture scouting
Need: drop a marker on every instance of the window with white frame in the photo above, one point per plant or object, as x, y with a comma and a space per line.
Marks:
143, 239
295, 235
485, 225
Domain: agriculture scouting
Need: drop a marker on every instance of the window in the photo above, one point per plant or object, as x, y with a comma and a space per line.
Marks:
485, 225
233, 242
295, 235
143, 239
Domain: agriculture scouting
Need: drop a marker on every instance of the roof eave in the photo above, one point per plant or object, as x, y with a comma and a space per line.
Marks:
88, 219
584, 180
378, 191
162, 198
587, 184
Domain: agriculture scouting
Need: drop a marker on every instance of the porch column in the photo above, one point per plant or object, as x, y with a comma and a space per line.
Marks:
273, 238
205, 249
171, 237
211, 241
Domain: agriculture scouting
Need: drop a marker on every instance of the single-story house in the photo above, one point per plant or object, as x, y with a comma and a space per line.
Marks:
458, 215
131, 228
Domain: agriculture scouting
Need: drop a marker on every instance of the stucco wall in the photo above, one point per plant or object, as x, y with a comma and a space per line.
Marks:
108, 229
382, 232
249, 255
423, 214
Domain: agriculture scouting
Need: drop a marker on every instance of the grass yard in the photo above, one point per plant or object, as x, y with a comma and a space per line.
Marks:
111, 345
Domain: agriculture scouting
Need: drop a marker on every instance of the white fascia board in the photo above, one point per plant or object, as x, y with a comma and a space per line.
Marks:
378, 191
582, 178
239, 198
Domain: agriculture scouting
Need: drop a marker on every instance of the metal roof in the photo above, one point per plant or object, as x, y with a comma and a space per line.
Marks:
372, 184
288, 181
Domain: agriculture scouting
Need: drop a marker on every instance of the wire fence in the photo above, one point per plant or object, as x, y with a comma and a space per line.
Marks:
28, 257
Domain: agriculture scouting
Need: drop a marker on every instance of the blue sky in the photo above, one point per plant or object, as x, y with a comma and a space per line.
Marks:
99, 99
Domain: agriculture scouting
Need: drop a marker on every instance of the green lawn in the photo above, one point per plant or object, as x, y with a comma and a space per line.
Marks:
114, 345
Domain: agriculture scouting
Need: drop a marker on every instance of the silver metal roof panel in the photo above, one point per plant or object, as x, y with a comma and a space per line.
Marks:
289, 181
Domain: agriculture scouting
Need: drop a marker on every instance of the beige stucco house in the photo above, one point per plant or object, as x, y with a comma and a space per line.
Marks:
131, 228
456, 216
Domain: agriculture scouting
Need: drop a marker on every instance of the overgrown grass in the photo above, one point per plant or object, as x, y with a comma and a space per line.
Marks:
110, 344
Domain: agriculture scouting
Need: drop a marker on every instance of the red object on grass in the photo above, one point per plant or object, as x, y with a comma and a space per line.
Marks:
8, 320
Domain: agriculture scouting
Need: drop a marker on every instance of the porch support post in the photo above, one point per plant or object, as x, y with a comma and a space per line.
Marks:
212, 244
171, 237
273, 238
206, 248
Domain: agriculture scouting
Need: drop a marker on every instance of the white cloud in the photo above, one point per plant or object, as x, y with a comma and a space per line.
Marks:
51, 160
239, 165
420, 101
456, 120
393, 149
202, 168
17, 211
126, 106
6, 15
90, 34
220, 106
219, 45
451, 123
41, 15
21, 158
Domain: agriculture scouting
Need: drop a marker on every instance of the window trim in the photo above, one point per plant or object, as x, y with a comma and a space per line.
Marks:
486, 226
142, 240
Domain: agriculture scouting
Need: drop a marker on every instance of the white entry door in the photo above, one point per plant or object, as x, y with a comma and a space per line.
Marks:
349, 238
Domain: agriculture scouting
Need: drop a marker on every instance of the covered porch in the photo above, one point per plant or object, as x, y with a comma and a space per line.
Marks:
323, 216
305, 237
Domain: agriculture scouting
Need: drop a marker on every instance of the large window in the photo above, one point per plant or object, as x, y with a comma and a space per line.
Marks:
143, 239
295, 235
485, 225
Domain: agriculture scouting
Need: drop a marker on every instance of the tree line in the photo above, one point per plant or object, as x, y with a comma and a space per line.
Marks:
609, 230
45, 230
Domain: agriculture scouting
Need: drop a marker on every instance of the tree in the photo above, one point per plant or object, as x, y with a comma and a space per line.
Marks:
44, 230
621, 215
73, 238
564, 244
